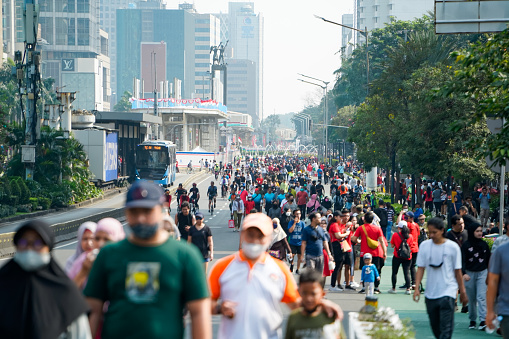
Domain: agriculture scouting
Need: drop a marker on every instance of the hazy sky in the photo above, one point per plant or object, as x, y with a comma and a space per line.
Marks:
295, 42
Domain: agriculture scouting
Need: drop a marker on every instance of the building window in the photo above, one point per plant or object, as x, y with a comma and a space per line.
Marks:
202, 38
201, 65
47, 29
202, 48
83, 6
203, 21
46, 6
202, 56
83, 32
202, 30
65, 6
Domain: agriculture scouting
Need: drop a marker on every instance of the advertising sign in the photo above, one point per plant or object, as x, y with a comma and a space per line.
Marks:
111, 160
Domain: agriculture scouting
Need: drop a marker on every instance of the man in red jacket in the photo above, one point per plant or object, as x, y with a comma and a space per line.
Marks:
249, 205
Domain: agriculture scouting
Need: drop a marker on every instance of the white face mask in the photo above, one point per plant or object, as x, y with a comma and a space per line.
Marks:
253, 251
288, 214
31, 260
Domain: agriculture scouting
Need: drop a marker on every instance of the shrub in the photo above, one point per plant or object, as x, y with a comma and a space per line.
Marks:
6, 211
45, 203
6, 192
15, 190
24, 197
14, 200
25, 208
34, 187
35, 203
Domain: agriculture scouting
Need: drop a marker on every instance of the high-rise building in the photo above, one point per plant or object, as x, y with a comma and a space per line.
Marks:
241, 95
245, 36
75, 51
176, 28
207, 34
12, 26
373, 14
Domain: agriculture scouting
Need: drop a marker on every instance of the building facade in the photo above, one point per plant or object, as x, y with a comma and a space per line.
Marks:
135, 26
241, 95
75, 51
372, 14
207, 34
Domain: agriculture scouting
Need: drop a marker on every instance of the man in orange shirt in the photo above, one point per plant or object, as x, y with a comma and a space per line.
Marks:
247, 286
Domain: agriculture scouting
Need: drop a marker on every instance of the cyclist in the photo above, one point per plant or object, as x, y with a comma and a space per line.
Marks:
212, 194
190, 166
180, 190
195, 195
224, 186
216, 170
183, 197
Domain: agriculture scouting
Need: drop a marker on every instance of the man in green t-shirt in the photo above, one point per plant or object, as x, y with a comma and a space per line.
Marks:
148, 278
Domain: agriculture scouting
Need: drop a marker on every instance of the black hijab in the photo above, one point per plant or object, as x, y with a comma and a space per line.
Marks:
471, 224
40, 304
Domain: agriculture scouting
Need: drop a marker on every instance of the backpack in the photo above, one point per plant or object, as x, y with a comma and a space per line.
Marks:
404, 249
422, 236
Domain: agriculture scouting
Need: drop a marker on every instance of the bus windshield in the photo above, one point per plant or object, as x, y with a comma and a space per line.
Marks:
152, 158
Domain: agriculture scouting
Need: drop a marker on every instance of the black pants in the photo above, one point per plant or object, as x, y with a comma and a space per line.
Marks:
412, 266
441, 316
438, 207
378, 262
406, 271
339, 257
302, 211
429, 206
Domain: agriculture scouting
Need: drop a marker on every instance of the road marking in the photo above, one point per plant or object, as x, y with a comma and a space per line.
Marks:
74, 242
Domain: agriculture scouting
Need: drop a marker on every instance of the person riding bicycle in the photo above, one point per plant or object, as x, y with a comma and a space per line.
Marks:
180, 190
195, 195
224, 185
190, 166
212, 194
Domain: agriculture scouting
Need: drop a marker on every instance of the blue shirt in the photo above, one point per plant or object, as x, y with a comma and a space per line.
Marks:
417, 213
369, 273
269, 197
314, 238
295, 237
281, 197
257, 198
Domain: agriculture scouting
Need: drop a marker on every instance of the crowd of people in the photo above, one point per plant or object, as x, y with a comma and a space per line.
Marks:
143, 284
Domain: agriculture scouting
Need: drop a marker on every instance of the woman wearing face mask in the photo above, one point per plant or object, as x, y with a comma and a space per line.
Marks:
108, 230
86, 242
169, 225
278, 247
37, 299
286, 217
475, 255
249, 205
327, 203
313, 204
201, 236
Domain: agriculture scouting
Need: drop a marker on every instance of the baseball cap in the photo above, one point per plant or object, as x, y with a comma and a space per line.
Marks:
199, 215
144, 194
367, 256
265, 225
410, 214
402, 224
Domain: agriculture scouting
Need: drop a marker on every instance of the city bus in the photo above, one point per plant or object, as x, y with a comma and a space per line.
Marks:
156, 162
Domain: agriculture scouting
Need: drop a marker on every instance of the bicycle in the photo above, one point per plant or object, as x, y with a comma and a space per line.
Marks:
189, 170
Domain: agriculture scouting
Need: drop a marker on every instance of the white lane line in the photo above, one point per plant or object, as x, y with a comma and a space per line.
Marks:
74, 242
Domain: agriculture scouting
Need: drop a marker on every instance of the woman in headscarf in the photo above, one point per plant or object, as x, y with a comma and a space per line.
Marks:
169, 225
279, 246
86, 242
327, 271
313, 205
108, 230
475, 254
37, 299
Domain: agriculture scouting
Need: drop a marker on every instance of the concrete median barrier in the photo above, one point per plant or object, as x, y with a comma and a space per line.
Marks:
63, 231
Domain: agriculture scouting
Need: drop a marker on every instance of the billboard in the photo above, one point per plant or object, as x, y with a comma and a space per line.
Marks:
111, 157
471, 16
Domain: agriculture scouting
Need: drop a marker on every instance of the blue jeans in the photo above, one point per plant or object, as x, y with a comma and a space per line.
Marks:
476, 292
388, 231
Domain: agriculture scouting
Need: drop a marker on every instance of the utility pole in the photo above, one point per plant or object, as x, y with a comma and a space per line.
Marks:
28, 68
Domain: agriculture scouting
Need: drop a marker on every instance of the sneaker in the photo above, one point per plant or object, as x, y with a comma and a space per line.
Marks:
297, 272
482, 326
291, 268
391, 291
464, 309
349, 287
343, 284
336, 289
402, 287
363, 290
407, 292
472, 325
354, 284
214, 205
377, 291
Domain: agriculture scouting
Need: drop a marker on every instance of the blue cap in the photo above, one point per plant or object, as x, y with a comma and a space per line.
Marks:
199, 215
144, 194
410, 214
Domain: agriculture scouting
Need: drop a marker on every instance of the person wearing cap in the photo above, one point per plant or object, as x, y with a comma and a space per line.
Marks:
148, 278
415, 231
369, 275
249, 205
195, 195
201, 236
396, 241
248, 286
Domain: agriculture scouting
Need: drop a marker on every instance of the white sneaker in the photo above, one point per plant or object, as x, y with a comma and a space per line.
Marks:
391, 291
335, 289
354, 284
407, 292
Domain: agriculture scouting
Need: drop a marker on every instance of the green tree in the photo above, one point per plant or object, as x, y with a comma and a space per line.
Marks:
123, 105
482, 75
269, 125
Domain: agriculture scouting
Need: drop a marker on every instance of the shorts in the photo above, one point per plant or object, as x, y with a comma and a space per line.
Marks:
347, 258
295, 249
206, 260
212, 197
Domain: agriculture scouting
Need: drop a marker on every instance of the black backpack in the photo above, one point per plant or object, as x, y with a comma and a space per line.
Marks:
404, 249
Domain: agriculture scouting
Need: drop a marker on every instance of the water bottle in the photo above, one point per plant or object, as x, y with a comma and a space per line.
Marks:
496, 325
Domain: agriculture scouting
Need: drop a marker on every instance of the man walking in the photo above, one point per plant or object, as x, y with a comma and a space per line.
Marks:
237, 211
442, 258
145, 285
313, 243
498, 289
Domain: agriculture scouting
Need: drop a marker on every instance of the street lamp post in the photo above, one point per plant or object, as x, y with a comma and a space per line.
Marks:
363, 32
325, 107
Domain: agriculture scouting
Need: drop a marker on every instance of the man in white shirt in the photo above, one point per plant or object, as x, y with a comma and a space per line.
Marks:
442, 258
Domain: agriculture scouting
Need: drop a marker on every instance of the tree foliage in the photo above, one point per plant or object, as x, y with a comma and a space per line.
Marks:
123, 105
